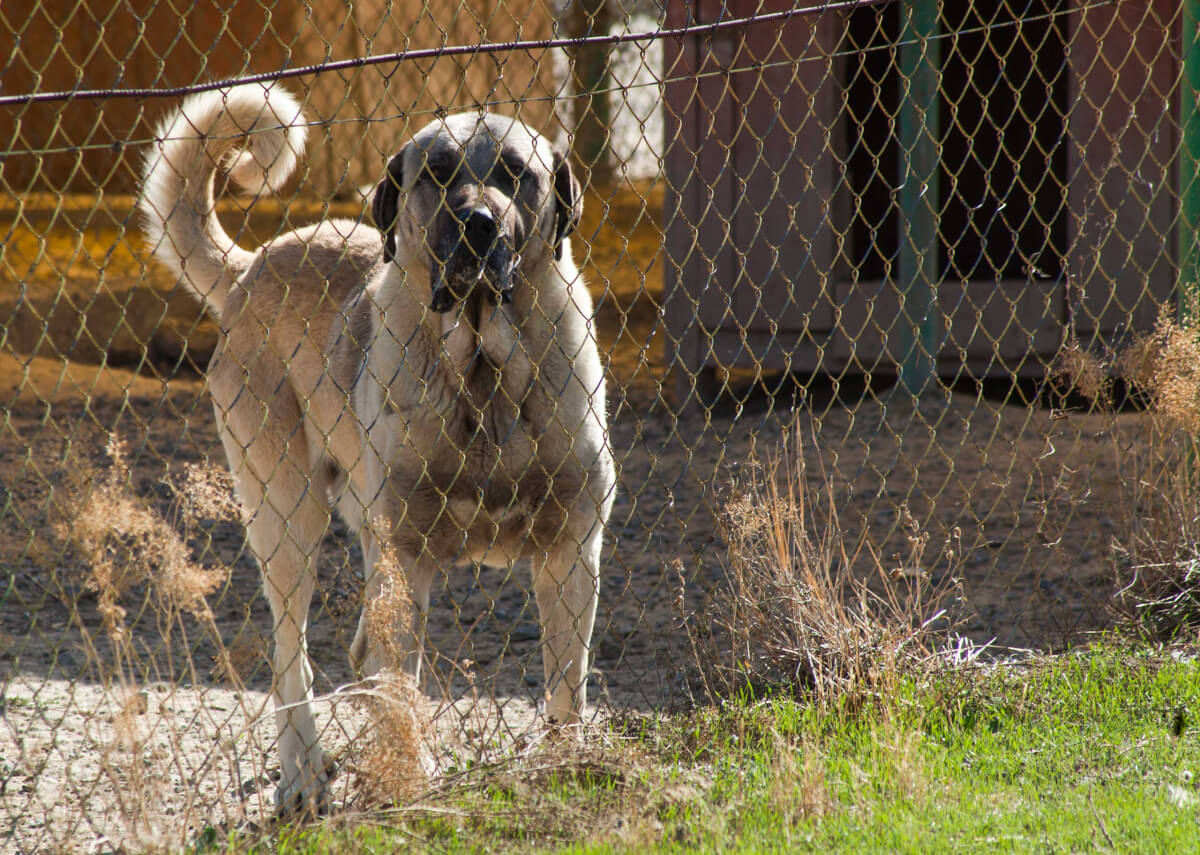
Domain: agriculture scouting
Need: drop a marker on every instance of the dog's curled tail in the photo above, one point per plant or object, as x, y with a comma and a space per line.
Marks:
254, 134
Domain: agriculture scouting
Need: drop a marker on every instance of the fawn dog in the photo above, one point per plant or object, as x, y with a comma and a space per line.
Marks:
436, 382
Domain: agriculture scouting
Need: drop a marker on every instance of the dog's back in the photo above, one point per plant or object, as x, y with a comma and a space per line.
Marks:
276, 304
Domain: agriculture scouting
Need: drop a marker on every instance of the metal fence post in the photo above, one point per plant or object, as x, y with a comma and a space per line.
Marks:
919, 206
1188, 295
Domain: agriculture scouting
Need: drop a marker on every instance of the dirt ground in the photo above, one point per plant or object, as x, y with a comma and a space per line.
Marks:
1028, 496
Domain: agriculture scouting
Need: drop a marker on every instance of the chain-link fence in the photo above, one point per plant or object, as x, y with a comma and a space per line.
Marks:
911, 233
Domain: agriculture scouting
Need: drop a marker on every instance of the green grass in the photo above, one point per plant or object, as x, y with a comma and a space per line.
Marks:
1090, 752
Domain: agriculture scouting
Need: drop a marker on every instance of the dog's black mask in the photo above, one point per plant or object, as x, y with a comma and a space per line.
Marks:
469, 246
472, 249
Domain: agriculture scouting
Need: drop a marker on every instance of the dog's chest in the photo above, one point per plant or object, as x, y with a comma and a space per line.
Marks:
484, 449
493, 420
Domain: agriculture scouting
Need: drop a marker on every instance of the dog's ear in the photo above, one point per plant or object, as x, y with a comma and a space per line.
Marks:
385, 206
568, 202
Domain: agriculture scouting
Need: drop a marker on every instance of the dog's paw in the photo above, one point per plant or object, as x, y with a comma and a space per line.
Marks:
306, 797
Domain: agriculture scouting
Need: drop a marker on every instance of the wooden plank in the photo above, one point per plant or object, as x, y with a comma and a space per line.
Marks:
99, 43
784, 92
1122, 135
696, 200
1002, 322
790, 350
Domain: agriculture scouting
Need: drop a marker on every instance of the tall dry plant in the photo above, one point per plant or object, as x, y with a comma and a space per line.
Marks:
1157, 551
125, 546
791, 612
1076, 369
387, 766
125, 543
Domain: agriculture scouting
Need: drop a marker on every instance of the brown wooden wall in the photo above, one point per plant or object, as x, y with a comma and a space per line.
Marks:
369, 113
82, 146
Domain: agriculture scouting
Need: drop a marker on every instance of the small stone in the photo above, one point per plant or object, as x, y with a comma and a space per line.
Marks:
609, 648
526, 632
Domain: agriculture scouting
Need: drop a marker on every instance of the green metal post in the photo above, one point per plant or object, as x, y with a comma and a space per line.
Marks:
917, 274
1189, 165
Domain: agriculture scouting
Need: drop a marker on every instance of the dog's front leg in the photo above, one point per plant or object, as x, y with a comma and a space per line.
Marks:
391, 628
565, 585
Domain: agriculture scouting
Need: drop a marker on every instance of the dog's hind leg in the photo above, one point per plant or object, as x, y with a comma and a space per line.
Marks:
288, 514
565, 585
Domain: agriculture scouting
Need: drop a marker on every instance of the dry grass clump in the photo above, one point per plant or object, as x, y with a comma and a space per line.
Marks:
125, 543
206, 493
1156, 550
792, 614
388, 767
1079, 370
127, 546
799, 787
557, 793
1172, 373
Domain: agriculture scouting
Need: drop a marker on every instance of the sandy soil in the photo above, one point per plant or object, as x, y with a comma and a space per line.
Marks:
1023, 487
1029, 496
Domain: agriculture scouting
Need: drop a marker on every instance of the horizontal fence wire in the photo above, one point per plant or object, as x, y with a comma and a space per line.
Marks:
703, 30
320, 68
445, 51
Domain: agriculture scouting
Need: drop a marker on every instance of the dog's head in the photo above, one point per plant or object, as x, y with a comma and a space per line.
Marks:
483, 197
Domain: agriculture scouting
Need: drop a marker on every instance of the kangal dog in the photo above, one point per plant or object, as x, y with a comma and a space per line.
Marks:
436, 381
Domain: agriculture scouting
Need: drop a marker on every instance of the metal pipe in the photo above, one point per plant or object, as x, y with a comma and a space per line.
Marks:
1188, 291
917, 274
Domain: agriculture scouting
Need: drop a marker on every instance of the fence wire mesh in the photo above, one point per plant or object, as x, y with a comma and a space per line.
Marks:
913, 234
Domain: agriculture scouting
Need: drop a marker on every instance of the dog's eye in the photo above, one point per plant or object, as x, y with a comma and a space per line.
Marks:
510, 174
440, 171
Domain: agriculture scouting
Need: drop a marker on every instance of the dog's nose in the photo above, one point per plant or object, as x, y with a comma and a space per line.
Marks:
479, 229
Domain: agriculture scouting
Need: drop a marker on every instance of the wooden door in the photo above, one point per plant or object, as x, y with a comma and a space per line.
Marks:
1124, 63
749, 181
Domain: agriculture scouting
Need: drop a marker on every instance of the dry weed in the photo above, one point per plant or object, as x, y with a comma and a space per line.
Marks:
791, 613
908, 779
564, 792
139, 784
1157, 554
1079, 370
1137, 362
799, 789
898, 772
236, 663
127, 545
207, 493
1157, 549
389, 768
1175, 375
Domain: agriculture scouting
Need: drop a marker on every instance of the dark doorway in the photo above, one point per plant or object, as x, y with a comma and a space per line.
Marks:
1003, 104
1004, 143
872, 87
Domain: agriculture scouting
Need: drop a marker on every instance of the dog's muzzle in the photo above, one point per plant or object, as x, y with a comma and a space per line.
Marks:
477, 252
